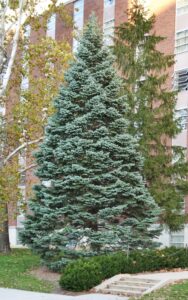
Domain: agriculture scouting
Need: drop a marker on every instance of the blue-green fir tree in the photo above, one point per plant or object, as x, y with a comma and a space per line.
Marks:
91, 198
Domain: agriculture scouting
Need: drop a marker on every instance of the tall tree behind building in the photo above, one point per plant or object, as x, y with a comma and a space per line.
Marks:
151, 108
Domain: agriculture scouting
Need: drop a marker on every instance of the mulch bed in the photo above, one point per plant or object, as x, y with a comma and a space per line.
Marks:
44, 274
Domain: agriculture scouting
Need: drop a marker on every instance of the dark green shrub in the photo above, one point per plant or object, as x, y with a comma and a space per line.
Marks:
87, 273
146, 260
81, 275
113, 264
155, 260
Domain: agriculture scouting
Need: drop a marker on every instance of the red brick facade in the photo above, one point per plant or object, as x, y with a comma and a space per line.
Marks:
165, 26
121, 7
64, 29
97, 7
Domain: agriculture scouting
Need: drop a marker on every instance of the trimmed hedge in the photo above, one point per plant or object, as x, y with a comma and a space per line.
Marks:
84, 274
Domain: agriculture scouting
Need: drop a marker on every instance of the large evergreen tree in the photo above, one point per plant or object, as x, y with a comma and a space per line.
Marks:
92, 197
150, 111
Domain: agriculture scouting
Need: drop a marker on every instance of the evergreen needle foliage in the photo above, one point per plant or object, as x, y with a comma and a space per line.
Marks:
97, 200
150, 111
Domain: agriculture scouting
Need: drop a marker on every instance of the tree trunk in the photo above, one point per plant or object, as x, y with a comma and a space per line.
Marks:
4, 234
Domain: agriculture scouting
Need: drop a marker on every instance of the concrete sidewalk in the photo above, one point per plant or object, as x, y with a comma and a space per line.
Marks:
139, 284
171, 276
10, 294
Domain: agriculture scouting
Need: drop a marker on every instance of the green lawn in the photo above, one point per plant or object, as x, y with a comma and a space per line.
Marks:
177, 291
14, 272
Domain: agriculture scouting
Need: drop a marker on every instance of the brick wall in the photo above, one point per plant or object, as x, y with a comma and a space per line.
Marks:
165, 26
120, 11
64, 28
96, 6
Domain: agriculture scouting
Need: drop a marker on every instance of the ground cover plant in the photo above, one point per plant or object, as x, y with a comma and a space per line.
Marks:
14, 272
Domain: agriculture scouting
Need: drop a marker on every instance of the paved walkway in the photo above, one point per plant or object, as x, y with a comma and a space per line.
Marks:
172, 276
10, 294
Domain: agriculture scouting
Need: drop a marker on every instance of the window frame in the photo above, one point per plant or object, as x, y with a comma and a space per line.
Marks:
108, 32
51, 31
181, 7
183, 118
180, 85
176, 39
107, 4
180, 233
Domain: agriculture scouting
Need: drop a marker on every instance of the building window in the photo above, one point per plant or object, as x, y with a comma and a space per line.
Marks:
181, 80
25, 79
2, 110
51, 26
182, 41
109, 2
181, 7
24, 83
78, 21
27, 31
177, 239
109, 32
79, 14
21, 216
182, 115
22, 165
18, 230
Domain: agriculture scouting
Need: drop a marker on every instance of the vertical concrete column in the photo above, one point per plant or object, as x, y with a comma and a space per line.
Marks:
12, 236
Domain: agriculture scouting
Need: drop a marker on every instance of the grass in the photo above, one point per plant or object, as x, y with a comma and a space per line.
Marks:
14, 272
15, 267
178, 291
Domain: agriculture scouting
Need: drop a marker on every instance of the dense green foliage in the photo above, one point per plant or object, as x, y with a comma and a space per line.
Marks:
84, 274
14, 272
151, 106
96, 200
177, 291
106, 266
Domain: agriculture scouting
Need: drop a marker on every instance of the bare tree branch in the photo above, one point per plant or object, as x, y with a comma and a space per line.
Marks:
13, 52
3, 10
18, 149
27, 168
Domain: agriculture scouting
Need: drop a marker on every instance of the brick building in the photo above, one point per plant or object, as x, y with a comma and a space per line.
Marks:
171, 22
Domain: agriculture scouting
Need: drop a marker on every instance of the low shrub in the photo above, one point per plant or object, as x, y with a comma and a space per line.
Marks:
86, 273
81, 275
113, 264
158, 259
